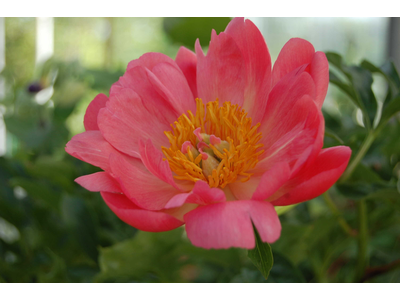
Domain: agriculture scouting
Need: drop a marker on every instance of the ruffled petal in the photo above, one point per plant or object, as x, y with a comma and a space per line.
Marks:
125, 121
90, 119
91, 147
258, 65
138, 184
221, 73
229, 224
314, 179
135, 216
99, 182
295, 53
187, 62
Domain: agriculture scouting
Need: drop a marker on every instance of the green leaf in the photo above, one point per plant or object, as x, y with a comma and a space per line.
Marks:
391, 72
359, 90
390, 110
388, 70
261, 256
362, 82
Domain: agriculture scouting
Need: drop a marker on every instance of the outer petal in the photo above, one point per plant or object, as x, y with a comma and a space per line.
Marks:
229, 224
314, 179
91, 147
141, 219
139, 185
99, 182
221, 74
125, 120
294, 54
258, 65
90, 119
319, 70
187, 62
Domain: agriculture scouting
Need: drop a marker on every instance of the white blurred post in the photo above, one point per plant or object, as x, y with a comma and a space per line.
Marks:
394, 40
2, 84
44, 39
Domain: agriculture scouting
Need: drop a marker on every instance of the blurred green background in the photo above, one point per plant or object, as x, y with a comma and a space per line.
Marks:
53, 230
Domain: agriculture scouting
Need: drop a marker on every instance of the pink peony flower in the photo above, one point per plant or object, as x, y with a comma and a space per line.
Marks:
212, 141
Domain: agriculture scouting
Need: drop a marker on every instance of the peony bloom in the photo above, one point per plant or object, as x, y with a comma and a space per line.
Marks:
212, 141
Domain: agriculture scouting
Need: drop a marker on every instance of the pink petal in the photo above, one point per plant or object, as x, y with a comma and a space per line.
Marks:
90, 119
152, 158
149, 60
206, 194
291, 124
319, 70
171, 84
229, 224
187, 62
139, 185
281, 100
91, 147
141, 219
137, 79
125, 121
221, 74
99, 182
315, 179
271, 181
294, 54
201, 194
258, 65
245, 190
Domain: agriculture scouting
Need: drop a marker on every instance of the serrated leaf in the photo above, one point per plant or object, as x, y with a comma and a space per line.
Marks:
261, 256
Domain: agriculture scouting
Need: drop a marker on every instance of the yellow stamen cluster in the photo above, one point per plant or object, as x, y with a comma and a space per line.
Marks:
227, 122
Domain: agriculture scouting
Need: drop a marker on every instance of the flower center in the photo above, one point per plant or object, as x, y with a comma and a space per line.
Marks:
218, 144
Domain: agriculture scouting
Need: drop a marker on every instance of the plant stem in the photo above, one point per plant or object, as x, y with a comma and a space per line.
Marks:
362, 240
335, 211
360, 155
